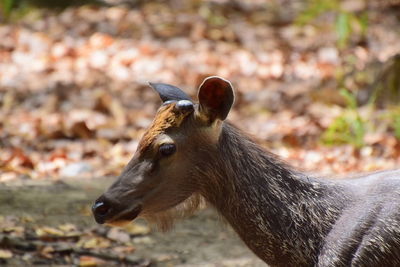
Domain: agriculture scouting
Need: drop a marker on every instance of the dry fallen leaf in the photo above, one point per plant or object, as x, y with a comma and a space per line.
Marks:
124, 249
48, 231
5, 254
137, 228
68, 227
87, 261
119, 235
93, 242
14, 230
46, 252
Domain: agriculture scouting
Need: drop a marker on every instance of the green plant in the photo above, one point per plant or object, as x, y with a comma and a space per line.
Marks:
396, 127
11, 10
348, 127
346, 23
315, 8
391, 117
5, 7
14, 9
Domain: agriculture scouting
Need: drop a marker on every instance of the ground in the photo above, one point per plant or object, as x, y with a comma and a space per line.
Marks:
52, 220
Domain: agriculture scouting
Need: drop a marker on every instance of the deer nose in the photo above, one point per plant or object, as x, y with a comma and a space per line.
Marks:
100, 210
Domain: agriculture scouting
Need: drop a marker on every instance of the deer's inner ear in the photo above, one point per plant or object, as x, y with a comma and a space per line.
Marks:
216, 98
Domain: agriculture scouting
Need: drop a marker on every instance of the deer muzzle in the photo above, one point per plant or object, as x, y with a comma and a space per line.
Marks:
104, 211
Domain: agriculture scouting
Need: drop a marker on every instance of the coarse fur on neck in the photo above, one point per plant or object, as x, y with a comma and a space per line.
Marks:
275, 209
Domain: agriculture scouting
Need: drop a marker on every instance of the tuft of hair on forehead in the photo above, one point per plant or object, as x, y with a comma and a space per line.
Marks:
166, 117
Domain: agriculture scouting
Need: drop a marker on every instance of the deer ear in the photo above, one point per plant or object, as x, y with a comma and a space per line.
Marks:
169, 92
216, 98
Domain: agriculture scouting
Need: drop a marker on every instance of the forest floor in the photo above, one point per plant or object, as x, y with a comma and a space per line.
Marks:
46, 223
74, 102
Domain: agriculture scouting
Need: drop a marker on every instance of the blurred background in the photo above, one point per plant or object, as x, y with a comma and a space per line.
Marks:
317, 82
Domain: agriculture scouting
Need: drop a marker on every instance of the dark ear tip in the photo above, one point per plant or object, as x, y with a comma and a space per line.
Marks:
217, 79
219, 82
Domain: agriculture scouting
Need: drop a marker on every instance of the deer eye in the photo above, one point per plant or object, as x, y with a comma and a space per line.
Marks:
167, 149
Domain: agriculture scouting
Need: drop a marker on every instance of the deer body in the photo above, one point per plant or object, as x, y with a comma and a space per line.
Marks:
290, 219
284, 216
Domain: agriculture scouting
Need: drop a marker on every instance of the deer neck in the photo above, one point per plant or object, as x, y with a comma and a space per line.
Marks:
280, 213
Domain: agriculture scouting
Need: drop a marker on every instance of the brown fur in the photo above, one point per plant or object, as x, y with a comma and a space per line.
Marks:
167, 117
164, 119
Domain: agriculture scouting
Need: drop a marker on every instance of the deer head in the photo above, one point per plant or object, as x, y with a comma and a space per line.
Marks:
163, 173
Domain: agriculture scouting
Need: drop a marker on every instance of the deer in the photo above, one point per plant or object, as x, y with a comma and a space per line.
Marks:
191, 155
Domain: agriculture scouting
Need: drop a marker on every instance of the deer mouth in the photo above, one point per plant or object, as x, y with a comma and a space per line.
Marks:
125, 216
104, 214
128, 215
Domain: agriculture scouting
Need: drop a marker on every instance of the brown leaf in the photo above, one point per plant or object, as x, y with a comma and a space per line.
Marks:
5, 254
80, 129
48, 231
137, 229
68, 227
108, 104
118, 235
16, 230
46, 252
100, 40
87, 261
124, 249
19, 159
58, 154
93, 242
